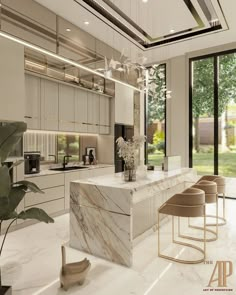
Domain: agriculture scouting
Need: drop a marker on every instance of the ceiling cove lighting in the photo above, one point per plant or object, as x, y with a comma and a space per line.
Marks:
63, 59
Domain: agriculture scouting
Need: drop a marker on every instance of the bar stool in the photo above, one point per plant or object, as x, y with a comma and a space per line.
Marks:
220, 181
189, 203
210, 189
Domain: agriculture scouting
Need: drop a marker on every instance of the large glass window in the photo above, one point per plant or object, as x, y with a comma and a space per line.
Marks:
203, 115
213, 92
156, 113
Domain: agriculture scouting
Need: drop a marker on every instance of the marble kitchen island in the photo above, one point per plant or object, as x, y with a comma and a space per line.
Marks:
108, 214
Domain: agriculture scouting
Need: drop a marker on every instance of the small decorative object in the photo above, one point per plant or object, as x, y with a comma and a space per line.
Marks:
11, 194
86, 160
128, 150
73, 273
91, 152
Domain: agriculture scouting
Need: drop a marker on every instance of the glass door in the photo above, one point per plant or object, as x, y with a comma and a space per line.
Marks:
202, 121
227, 115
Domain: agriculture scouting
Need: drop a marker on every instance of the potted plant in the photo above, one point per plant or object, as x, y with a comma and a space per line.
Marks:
11, 194
128, 150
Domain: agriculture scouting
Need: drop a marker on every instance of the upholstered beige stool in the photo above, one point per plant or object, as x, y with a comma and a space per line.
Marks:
210, 189
220, 181
190, 203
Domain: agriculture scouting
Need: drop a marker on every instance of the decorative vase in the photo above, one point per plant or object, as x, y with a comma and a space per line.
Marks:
129, 173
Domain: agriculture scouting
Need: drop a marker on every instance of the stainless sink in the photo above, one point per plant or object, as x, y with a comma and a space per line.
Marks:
67, 168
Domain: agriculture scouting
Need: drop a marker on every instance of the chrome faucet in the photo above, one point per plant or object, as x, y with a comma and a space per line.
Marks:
64, 160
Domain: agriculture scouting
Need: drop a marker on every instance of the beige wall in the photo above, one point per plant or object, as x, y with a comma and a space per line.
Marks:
177, 108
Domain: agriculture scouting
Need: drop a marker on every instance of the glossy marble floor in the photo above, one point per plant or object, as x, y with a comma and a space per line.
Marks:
32, 260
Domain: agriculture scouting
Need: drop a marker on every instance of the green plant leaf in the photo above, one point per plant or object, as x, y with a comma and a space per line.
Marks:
35, 213
4, 203
15, 196
30, 186
10, 134
5, 181
11, 215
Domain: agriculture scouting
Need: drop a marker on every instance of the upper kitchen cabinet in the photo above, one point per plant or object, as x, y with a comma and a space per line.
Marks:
32, 102
12, 81
66, 108
49, 105
81, 110
104, 120
124, 105
93, 112
29, 21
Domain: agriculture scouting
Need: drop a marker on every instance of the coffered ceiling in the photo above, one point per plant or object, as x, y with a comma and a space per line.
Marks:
158, 29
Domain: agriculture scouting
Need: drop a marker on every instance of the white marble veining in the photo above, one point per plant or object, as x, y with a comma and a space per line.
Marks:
103, 197
32, 260
107, 214
153, 178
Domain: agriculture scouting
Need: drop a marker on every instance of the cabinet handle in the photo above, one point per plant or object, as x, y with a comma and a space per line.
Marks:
28, 117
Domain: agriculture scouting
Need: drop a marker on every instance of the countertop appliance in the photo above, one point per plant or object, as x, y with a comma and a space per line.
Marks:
32, 162
127, 132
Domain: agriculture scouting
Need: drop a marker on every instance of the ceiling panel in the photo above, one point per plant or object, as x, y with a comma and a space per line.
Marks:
170, 45
157, 18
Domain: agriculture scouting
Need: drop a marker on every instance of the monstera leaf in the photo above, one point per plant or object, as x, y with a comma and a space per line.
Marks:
10, 134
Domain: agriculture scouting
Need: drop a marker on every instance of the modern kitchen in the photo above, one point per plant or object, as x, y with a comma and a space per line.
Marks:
109, 181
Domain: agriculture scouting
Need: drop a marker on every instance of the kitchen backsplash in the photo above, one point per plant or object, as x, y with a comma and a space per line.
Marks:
45, 143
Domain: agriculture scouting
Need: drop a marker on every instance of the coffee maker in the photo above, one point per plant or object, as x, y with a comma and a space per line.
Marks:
32, 162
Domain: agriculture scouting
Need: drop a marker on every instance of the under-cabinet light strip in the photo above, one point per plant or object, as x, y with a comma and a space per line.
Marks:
63, 59
60, 132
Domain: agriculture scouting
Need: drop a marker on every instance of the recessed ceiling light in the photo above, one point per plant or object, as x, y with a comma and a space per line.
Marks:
172, 31
145, 1
68, 30
86, 22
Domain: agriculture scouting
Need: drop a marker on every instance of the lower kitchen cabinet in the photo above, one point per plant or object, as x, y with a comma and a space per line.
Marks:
50, 194
56, 189
55, 206
53, 191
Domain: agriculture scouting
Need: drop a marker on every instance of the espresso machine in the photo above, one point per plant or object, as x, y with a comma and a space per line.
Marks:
32, 162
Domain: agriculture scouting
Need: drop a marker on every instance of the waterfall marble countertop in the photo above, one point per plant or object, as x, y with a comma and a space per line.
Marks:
107, 213
152, 178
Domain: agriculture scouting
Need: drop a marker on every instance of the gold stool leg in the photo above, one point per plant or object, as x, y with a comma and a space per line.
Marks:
223, 219
204, 228
204, 233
